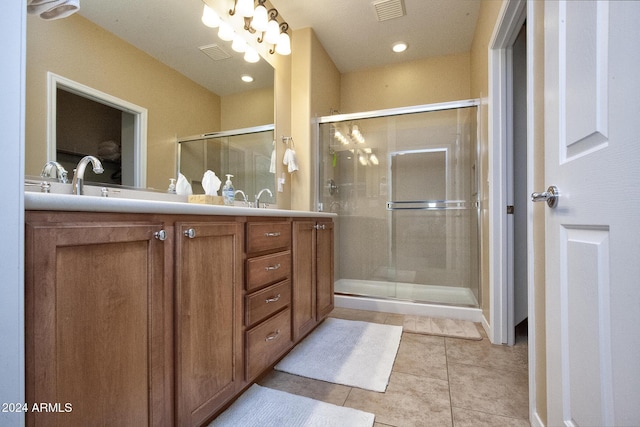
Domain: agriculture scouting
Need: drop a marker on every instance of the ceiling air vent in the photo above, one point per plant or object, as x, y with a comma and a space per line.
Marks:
389, 9
214, 52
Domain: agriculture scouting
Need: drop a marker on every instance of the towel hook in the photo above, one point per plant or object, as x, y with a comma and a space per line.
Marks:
286, 140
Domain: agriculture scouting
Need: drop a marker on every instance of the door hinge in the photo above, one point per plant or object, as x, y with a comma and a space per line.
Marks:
510, 209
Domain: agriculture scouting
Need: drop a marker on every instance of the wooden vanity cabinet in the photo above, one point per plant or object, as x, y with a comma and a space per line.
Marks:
98, 332
267, 294
208, 318
312, 274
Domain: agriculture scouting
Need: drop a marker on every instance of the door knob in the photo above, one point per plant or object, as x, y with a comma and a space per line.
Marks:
550, 196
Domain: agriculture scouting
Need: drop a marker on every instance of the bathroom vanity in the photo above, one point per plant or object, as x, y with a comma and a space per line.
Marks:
143, 312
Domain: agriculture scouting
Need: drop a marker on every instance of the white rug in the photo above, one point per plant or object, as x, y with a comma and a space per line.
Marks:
264, 407
442, 327
348, 352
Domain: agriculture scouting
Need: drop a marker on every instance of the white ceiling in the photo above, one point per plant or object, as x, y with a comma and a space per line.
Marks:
354, 38
171, 31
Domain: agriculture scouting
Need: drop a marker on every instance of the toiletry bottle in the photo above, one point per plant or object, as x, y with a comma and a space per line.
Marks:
228, 192
172, 186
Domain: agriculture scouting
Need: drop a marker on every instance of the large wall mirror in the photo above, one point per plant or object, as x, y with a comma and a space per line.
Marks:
160, 58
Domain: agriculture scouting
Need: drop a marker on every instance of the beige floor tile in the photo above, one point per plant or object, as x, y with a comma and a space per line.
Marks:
408, 401
494, 391
294, 384
422, 355
362, 315
395, 319
467, 418
483, 353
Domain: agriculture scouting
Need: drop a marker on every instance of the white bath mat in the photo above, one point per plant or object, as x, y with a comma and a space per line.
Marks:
348, 352
442, 327
264, 407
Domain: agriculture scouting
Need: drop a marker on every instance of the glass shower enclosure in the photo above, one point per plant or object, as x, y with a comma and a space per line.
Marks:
244, 153
404, 183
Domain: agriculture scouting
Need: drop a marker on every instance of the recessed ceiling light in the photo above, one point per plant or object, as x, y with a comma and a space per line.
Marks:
246, 78
399, 47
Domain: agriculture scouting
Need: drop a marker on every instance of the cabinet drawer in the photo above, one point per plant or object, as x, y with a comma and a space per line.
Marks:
266, 342
267, 236
262, 304
268, 269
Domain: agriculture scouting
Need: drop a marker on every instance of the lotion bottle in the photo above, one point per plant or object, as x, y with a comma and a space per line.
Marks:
228, 192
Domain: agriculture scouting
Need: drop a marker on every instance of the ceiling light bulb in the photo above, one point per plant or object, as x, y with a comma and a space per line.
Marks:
374, 159
260, 19
239, 44
284, 44
246, 78
251, 55
272, 34
210, 18
225, 32
399, 47
244, 8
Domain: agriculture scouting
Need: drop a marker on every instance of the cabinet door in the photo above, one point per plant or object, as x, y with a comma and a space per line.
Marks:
304, 278
96, 309
324, 269
208, 318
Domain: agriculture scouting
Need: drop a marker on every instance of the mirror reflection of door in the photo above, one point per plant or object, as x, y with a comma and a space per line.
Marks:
87, 127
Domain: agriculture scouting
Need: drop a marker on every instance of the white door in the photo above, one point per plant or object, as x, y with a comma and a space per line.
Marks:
592, 150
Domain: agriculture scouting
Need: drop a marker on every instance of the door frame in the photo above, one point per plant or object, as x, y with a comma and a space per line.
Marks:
510, 19
139, 146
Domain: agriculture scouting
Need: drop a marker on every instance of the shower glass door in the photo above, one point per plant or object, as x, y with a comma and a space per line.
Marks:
405, 190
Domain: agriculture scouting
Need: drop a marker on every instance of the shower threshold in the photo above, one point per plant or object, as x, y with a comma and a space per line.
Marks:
407, 292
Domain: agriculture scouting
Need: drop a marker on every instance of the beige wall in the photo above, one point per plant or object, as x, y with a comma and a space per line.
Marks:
487, 18
77, 49
247, 109
315, 90
427, 81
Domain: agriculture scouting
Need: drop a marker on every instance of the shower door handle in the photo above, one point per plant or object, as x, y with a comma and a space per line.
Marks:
550, 196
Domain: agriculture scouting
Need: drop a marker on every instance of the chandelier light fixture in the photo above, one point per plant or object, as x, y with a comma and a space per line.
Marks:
258, 20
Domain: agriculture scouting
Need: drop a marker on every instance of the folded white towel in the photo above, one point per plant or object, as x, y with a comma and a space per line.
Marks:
290, 160
272, 166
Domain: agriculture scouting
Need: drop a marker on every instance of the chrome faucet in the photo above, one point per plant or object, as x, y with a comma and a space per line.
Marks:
260, 194
78, 172
51, 165
244, 196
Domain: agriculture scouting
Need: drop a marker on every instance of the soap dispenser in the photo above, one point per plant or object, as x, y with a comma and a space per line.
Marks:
228, 192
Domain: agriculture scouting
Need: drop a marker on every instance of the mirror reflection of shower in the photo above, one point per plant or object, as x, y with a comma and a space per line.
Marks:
404, 185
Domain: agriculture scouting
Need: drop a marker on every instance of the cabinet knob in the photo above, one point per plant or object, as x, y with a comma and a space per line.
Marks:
319, 226
190, 233
160, 235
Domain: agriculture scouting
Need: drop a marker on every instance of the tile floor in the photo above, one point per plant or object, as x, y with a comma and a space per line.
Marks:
435, 381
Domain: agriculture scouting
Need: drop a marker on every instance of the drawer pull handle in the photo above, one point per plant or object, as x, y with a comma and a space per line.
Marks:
272, 267
274, 299
272, 336
272, 234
